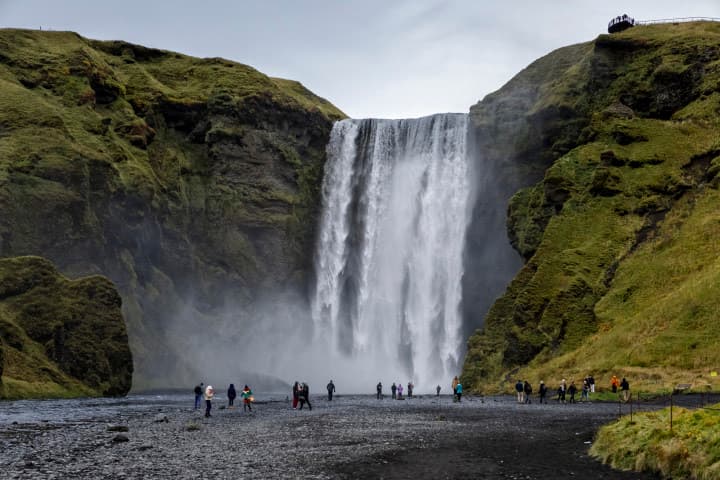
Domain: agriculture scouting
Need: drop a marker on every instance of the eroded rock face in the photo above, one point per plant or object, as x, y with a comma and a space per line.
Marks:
603, 139
192, 183
60, 337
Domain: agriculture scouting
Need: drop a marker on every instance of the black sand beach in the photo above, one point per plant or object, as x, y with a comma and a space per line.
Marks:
351, 437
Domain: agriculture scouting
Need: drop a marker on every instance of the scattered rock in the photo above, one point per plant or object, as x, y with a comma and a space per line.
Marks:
117, 428
161, 417
120, 438
144, 447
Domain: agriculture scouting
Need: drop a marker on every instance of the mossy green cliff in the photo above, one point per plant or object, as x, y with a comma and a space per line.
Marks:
619, 142
192, 183
60, 337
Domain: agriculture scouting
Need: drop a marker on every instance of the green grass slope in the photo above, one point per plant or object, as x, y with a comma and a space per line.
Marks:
620, 235
193, 184
646, 443
60, 338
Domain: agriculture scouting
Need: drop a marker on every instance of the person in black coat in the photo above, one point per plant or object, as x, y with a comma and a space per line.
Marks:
331, 390
527, 390
231, 394
305, 396
543, 392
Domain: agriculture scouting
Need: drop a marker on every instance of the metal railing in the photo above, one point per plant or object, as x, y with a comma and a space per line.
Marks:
677, 20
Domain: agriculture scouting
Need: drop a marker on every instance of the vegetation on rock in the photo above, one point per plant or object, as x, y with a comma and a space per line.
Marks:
192, 183
60, 337
620, 233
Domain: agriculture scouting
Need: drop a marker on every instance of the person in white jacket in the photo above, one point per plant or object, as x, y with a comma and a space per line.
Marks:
209, 394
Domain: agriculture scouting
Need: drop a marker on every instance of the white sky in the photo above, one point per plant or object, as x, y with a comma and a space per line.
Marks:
371, 58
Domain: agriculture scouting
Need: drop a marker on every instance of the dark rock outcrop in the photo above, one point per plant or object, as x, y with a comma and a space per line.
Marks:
60, 337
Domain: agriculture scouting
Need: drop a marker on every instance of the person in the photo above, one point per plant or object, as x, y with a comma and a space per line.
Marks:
305, 396
198, 395
572, 390
437, 389
393, 389
543, 392
296, 395
399, 391
331, 390
584, 394
614, 383
527, 390
625, 389
231, 394
209, 394
410, 387
591, 382
246, 395
458, 391
519, 390
561, 391
379, 390
454, 387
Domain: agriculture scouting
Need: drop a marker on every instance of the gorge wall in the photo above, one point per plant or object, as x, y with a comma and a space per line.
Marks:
618, 233
192, 183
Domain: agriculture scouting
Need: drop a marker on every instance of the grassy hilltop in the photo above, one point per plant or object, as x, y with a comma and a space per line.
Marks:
193, 184
619, 142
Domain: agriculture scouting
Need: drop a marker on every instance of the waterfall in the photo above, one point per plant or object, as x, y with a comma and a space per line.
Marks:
389, 260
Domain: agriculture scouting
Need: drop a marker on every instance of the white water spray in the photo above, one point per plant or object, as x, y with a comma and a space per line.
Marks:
389, 260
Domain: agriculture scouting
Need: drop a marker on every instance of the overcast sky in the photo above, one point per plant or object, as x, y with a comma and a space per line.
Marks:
371, 58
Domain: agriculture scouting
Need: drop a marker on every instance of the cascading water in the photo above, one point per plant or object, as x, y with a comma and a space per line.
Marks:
389, 260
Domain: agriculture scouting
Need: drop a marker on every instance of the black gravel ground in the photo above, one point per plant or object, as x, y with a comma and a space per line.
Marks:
350, 437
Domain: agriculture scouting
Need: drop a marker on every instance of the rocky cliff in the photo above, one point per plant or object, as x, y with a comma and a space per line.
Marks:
60, 337
191, 183
617, 141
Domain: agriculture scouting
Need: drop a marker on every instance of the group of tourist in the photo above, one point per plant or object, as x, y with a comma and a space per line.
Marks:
566, 393
208, 393
301, 392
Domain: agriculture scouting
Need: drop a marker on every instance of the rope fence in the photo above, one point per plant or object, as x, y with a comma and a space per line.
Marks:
636, 403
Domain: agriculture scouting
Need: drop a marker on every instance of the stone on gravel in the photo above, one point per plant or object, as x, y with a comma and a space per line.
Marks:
117, 428
120, 438
161, 417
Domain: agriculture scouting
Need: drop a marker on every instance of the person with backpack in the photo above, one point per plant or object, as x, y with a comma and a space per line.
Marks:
527, 390
331, 390
458, 391
246, 395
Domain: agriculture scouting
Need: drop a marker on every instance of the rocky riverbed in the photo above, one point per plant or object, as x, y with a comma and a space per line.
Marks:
161, 436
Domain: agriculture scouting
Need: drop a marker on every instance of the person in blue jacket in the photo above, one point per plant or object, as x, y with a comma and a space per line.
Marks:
458, 391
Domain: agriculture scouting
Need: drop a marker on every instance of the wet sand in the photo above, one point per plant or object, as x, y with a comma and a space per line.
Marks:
350, 437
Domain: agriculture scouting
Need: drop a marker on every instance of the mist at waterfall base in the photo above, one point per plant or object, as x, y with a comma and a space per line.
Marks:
386, 306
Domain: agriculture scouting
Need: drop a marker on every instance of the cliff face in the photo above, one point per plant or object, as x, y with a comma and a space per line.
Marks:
192, 183
619, 231
60, 337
